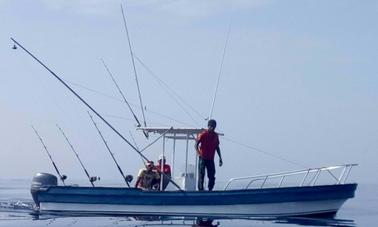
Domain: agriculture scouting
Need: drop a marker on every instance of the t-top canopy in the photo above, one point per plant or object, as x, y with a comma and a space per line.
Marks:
174, 133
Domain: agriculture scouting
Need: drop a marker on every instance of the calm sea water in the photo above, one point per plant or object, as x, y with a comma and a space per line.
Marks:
16, 210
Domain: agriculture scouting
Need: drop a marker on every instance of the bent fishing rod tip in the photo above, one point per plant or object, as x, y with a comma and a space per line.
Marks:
14, 47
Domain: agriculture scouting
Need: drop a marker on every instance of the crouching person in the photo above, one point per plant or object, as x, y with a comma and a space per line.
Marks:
148, 178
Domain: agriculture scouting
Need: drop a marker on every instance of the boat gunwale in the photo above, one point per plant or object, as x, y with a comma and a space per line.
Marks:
133, 196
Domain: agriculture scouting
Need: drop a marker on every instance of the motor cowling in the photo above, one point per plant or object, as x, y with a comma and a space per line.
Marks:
41, 180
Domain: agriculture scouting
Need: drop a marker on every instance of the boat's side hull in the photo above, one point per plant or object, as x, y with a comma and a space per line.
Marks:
258, 202
256, 210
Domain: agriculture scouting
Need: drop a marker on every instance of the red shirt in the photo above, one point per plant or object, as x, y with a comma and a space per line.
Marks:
209, 141
166, 169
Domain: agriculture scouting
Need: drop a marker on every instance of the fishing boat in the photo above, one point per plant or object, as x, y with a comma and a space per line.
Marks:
295, 193
259, 196
313, 191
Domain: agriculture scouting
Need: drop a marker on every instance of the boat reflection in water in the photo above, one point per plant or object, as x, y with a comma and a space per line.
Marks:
199, 221
185, 221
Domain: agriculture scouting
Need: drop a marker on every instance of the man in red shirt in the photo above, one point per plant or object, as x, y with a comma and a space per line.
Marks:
206, 144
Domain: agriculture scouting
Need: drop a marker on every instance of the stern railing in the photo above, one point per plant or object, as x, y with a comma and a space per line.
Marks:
310, 177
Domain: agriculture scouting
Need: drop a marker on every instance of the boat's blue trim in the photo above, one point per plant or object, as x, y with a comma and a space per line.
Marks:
132, 196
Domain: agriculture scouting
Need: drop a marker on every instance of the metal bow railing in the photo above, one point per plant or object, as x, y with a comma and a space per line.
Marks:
310, 177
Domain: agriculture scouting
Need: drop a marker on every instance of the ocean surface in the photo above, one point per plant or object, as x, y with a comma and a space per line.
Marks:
16, 209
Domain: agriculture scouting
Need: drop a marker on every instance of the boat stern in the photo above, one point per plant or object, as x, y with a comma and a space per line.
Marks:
41, 180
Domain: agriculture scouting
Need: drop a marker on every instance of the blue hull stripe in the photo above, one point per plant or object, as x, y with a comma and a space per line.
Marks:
225, 215
132, 196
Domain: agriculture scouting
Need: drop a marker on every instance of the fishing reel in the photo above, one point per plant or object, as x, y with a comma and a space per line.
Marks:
63, 177
93, 179
129, 178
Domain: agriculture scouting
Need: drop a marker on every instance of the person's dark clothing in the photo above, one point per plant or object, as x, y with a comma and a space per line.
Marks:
167, 174
208, 165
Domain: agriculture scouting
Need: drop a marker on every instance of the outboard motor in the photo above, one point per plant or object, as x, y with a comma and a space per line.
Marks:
42, 180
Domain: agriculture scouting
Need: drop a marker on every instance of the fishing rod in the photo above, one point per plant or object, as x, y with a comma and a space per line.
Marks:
123, 96
86, 104
61, 177
91, 179
121, 93
133, 62
127, 179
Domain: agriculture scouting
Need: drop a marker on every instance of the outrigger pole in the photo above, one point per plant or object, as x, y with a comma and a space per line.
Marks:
110, 152
86, 104
91, 179
220, 71
61, 177
133, 62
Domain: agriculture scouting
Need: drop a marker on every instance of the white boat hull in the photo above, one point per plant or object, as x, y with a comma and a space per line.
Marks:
258, 210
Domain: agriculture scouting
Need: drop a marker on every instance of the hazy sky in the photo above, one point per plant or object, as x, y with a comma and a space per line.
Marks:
299, 81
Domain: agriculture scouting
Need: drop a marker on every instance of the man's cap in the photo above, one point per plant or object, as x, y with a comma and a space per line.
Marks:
161, 157
212, 123
149, 163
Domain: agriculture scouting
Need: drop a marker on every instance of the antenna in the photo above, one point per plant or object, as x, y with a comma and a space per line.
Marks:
133, 62
220, 71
